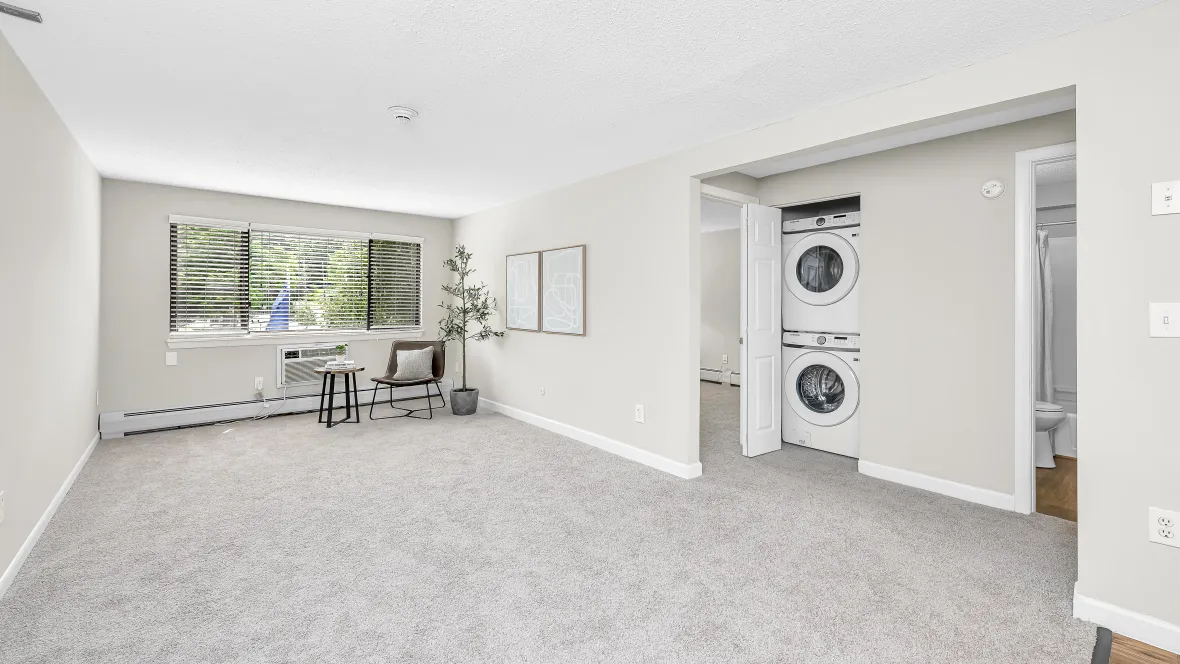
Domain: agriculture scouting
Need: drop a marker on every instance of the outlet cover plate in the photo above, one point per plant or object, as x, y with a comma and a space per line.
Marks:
1163, 527
639, 413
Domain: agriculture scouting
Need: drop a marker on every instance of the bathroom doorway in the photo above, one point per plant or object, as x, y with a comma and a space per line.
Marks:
1047, 229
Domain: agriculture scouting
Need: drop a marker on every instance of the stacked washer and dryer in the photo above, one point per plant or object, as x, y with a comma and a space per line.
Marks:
821, 333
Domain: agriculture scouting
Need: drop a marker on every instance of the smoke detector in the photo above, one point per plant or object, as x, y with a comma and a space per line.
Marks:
403, 114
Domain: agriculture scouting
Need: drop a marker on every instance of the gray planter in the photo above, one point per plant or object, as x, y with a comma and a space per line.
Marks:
464, 402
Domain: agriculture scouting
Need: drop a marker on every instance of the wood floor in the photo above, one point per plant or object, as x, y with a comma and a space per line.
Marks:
1130, 651
1057, 489
1057, 495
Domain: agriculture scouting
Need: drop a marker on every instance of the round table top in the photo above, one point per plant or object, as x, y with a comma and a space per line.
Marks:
325, 370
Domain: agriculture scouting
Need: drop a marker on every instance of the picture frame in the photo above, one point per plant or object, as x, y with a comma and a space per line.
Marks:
563, 290
522, 291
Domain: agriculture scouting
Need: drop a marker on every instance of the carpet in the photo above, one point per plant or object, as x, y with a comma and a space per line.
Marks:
485, 539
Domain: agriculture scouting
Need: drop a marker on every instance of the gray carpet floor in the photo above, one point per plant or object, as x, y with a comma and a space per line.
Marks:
484, 539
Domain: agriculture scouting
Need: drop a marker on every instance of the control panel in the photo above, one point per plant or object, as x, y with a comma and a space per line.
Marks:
821, 340
821, 222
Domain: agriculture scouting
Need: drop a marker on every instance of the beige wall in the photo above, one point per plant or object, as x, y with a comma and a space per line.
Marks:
49, 214
721, 289
739, 182
936, 296
644, 290
135, 294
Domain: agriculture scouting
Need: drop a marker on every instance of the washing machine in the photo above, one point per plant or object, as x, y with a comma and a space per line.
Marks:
821, 392
821, 269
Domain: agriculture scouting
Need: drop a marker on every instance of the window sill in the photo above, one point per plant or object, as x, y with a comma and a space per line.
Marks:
285, 338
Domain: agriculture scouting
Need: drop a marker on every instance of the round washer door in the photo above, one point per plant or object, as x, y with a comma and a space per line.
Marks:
821, 388
821, 269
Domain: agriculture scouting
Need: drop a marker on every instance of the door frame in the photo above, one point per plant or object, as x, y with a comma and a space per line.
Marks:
1025, 192
727, 195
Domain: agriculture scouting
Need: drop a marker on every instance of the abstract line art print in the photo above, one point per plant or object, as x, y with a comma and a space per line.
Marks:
523, 292
563, 290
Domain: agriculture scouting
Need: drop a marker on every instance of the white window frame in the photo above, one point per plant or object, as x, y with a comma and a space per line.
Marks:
224, 339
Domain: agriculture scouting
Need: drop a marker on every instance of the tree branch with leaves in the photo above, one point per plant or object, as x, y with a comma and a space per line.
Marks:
472, 306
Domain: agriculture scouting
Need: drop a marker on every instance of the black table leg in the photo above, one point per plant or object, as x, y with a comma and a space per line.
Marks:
323, 388
331, 395
356, 399
347, 398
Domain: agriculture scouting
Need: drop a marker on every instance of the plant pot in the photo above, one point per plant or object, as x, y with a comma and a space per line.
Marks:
341, 358
464, 402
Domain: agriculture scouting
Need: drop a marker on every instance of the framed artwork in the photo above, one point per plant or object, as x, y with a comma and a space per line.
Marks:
523, 292
563, 290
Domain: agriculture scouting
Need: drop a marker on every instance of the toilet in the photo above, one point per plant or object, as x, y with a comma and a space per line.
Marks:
1048, 417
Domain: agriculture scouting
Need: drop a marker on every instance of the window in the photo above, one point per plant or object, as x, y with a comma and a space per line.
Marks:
237, 279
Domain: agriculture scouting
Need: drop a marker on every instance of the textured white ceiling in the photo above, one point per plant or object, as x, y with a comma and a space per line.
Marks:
1057, 172
287, 98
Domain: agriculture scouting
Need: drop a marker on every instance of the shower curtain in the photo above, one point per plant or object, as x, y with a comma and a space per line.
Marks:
1043, 287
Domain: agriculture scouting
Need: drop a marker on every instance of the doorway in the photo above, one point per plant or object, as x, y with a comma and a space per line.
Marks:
1046, 331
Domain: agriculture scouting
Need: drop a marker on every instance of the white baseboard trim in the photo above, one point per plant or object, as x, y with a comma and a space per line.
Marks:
31, 541
966, 492
683, 470
114, 425
1152, 631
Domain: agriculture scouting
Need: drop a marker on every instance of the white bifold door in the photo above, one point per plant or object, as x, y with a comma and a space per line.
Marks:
762, 330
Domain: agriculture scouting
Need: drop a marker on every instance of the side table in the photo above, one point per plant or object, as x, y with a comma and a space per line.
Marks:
328, 389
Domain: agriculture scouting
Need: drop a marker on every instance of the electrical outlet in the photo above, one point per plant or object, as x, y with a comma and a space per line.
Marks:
1, 507
258, 383
1161, 526
542, 391
725, 359
639, 413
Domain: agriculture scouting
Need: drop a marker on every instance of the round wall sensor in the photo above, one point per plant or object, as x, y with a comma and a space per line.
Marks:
403, 114
992, 189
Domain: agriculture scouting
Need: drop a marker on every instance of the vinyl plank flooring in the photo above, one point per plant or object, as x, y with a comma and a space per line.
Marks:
1057, 489
1124, 650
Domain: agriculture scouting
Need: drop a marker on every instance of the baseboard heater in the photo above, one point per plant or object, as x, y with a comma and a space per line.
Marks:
116, 424
720, 377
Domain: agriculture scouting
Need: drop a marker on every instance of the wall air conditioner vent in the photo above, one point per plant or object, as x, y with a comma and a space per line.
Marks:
297, 365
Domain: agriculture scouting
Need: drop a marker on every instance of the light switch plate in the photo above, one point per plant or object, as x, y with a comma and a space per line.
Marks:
1165, 319
170, 358
1165, 198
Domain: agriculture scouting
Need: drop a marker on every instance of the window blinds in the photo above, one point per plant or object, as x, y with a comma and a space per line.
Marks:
395, 295
239, 278
208, 273
307, 282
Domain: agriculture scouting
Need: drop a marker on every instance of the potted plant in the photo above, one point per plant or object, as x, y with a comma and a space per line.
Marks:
472, 306
341, 352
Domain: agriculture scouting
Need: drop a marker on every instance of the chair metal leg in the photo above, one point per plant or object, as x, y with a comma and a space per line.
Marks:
409, 412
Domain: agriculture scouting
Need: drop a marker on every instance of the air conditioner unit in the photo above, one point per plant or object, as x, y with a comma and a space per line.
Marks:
297, 364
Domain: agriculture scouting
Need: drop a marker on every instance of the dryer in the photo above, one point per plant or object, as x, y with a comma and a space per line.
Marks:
821, 271
821, 392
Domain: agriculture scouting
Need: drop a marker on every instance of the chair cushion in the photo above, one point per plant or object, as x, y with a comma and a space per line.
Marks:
415, 364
